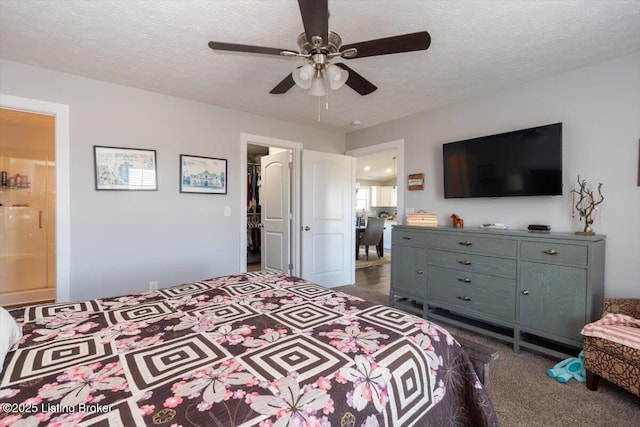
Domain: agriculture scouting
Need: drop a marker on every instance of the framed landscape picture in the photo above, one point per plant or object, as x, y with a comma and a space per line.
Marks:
125, 168
205, 175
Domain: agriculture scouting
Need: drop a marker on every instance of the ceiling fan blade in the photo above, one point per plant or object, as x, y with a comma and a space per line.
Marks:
396, 44
286, 84
233, 47
315, 17
358, 83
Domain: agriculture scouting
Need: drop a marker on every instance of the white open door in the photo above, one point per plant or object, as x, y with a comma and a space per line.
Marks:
328, 222
276, 212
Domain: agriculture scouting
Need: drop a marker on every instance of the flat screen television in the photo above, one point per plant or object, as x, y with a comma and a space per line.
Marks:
526, 162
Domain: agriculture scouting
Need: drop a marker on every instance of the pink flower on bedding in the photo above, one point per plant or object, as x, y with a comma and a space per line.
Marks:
187, 300
289, 404
132, 343
172, 402
212, 385
198, 322
43, 416
32, 401
339, 378
147, 409
353, 339
180, 383
9, 420
124, 301
63, 332
121, 328
62, 318
226, 334
67, 420
370, 384
249, 397
78, 384
269, 335
328, 408
323, 383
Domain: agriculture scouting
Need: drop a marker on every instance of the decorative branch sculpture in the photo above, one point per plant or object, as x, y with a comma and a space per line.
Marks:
587, 204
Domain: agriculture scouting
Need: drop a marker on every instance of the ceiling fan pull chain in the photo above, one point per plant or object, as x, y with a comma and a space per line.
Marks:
319, 101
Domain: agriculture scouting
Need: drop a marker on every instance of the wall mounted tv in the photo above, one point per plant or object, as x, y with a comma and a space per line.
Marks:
525, 162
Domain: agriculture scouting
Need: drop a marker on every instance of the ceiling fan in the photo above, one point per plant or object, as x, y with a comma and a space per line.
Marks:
318, 46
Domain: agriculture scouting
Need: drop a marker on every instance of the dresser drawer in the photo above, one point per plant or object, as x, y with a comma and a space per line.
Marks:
503, 267
490, 295
474, 244
415, 239
555, 253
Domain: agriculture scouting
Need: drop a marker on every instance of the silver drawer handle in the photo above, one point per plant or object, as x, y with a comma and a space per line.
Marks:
465, 262
465, 243
420, 271
464, 279
525, 292
551, 252
464, 298
406, 238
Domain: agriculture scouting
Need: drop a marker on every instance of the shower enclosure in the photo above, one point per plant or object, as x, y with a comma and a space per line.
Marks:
27, 208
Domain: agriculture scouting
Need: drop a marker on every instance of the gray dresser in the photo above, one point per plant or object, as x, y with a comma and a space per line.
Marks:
534, 290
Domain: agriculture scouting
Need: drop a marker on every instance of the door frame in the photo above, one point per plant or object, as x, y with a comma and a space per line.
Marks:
296, 149
60, 112
397, 145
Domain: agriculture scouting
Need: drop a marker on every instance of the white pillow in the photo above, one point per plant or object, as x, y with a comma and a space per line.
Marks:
10, 334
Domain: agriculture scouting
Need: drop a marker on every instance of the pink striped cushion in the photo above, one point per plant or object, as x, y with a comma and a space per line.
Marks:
618, 328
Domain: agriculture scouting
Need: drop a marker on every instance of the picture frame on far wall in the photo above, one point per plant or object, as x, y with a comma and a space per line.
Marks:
131, 169
203, 175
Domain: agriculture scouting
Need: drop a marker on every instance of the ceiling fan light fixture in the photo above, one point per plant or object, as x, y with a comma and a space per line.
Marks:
337, 76
318, 86
303, 76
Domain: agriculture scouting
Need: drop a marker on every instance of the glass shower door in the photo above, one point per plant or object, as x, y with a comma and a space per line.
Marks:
27, 223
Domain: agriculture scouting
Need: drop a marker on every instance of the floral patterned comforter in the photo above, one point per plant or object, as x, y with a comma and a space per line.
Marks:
251, 349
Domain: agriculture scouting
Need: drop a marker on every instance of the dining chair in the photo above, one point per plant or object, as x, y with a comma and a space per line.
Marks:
372, 234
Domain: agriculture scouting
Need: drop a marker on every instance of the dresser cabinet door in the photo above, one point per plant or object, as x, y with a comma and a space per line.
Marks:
553, 299
408, 271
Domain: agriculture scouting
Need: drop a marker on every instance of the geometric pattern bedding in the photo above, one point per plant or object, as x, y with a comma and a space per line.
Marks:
259, 348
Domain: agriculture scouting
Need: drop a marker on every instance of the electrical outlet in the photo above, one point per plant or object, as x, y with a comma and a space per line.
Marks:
153, 286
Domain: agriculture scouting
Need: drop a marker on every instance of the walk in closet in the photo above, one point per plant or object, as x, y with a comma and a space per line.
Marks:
254, 221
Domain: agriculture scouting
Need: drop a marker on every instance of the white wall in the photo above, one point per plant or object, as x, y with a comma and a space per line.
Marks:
122, 240
599, 106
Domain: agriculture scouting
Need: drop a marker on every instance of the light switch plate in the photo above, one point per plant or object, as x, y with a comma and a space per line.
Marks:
227, 211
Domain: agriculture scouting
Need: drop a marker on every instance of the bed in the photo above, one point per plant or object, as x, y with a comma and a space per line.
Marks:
257, 348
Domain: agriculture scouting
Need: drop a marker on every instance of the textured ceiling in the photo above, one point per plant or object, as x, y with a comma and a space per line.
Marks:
477, 46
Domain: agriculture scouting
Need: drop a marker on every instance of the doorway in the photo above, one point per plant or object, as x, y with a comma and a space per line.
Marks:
27, 207
252, 149
379, 193
269, 209
322, 198
62, 183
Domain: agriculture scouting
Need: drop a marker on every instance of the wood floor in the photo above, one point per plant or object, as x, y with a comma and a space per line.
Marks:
376, 278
